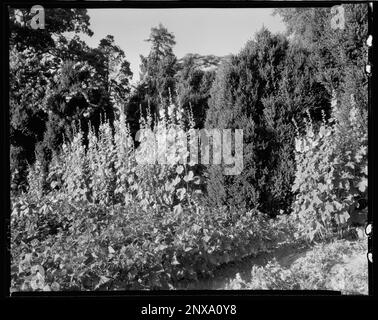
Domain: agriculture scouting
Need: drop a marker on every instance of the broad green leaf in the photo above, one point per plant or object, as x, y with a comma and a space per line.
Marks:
362, 185
179, 169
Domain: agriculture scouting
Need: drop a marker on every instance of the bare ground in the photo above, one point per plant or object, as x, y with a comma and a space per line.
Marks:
345, 269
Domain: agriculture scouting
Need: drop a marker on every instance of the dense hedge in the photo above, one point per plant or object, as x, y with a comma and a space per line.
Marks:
64, 245
261, 90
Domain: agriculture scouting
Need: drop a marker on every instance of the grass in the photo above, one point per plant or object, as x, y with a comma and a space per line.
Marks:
339, 265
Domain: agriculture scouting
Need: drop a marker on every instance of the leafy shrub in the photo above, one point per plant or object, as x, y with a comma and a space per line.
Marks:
171, 181
331, 175
65, 245
105, 170
110, 221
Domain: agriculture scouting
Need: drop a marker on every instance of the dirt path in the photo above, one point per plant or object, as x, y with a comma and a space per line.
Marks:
337, 265
285, 255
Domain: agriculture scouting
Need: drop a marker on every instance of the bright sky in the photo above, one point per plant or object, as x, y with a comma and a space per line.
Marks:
204, 31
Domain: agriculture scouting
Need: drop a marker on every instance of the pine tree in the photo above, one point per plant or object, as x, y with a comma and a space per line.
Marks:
261, 91
157, 78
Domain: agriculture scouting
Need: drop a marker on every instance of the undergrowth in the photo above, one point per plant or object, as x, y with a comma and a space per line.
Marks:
337, 265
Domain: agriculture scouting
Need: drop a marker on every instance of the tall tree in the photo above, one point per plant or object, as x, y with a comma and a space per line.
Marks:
87, 90
116, 69
57, 20
157, 78
339, 54
260, 91
60, 82
33, 63
158, 68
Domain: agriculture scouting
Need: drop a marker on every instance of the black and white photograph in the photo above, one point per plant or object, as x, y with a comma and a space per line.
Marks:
188, 148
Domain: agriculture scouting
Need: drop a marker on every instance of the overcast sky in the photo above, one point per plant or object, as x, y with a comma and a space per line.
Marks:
204, 31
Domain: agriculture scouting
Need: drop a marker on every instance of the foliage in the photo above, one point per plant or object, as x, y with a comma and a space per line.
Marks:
64, 245
34, 57
193, 86
58, 20
331, 176
56, 80
103, 195
339, 55
157, 79
112, 220
261, 90
340, 266
108, 169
